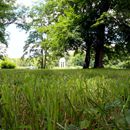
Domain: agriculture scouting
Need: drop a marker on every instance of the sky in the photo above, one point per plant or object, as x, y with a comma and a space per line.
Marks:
15, 42
17, 36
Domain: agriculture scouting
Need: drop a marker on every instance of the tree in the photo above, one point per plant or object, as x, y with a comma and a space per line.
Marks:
36, 45
7, 16
90, 20
92, 26
32, 48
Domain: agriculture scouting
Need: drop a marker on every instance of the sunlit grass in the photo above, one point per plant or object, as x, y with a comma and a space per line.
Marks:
65, 99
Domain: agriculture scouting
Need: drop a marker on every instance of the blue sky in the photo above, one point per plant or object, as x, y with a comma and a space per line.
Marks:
17, 36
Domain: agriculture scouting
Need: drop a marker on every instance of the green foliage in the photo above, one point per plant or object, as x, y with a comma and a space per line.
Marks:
37, 46
124, 64
7, 16
127, 65
7, 65
78, 25
19, 62
76, 60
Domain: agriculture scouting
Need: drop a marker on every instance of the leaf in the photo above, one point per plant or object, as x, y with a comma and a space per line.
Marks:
84, 124
128, 116
25, 127
72, 127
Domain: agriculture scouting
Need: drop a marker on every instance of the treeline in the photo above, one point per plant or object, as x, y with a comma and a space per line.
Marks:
98, 28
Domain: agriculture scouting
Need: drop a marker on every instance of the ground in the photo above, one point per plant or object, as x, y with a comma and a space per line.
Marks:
96, 99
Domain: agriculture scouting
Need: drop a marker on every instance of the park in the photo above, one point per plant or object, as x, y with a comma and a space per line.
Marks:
74, 72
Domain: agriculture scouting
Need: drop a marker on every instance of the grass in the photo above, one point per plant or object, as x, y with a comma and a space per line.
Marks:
65, 99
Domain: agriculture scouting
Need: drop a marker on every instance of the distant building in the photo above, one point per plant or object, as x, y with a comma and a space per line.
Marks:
62, 62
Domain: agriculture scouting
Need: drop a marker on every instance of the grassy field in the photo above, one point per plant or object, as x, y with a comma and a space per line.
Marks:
65, 99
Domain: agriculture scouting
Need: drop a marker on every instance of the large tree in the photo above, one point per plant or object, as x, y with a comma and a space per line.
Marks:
92, 26
95, 21
7, 16
37, 45
97, 18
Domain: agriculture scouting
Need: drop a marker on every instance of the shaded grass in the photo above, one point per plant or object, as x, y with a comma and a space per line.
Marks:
65, 99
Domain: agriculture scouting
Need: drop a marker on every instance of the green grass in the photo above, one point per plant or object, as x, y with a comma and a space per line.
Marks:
65, 99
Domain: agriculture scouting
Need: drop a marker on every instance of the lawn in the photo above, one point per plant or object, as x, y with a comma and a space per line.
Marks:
95, 99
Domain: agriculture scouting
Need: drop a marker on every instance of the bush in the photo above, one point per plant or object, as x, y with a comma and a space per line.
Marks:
7, 65
127, 65
124, 65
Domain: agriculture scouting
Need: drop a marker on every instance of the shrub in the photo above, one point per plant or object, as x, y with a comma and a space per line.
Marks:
7, 65
124, 65
127, 65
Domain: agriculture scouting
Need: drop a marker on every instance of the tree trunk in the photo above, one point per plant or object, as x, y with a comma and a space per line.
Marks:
45, 59
87, 58
99, 48
42, 59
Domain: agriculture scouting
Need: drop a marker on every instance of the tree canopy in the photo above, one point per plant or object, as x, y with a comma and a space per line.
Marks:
100, 28
7, 16
89, 25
